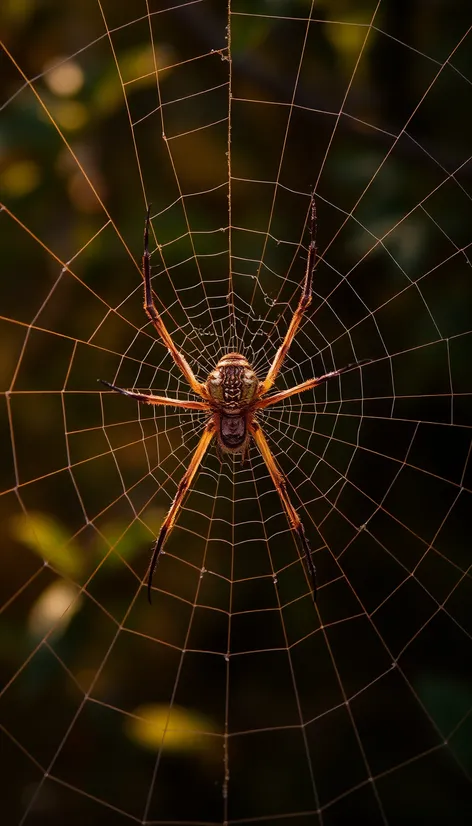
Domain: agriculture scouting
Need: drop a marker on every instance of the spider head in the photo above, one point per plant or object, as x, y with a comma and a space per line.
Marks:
233, 383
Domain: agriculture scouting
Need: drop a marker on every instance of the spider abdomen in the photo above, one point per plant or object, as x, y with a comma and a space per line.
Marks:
233, 433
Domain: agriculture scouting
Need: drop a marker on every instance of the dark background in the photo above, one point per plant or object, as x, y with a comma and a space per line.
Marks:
358, 709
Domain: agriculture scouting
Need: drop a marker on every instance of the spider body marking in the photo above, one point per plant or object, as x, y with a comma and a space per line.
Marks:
231, 396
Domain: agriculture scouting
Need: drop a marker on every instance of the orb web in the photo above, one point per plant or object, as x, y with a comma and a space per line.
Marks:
233, 699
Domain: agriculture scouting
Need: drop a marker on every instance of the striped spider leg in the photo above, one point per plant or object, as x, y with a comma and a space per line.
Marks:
274, 369
156, 320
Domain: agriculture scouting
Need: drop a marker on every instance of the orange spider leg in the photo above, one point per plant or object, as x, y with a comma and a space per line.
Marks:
307, 385
280, 485
158, 323
303, 304
182, 489
149, 398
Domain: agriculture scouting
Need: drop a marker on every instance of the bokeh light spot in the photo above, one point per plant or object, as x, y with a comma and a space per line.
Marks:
65, 79
20, 178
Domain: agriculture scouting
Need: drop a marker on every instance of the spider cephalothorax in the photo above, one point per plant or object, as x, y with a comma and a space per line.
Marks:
231, 397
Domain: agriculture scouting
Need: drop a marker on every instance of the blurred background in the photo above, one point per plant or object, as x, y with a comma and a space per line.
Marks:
233, 698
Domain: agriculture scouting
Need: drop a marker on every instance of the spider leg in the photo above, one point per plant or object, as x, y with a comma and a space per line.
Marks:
219, 453
307, 385
303, 304
157, 321
149, 398
182, 489
293, 517
245, 453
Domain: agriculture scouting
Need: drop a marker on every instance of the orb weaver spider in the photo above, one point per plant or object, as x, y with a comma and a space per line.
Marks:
232, 395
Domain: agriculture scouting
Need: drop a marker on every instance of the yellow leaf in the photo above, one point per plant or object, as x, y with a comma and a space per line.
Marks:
174, 729
347, 38
47, 538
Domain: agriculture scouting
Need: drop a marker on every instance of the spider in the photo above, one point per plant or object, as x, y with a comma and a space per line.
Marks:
232, 395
